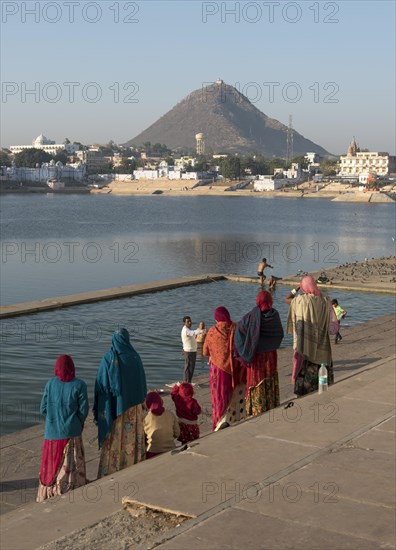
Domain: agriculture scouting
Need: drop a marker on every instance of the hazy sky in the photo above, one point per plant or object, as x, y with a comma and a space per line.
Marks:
96, 71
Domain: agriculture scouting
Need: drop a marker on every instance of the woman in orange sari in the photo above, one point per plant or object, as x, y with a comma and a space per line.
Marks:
227, 376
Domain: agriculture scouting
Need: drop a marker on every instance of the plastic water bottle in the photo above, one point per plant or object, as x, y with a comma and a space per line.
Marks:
323, 379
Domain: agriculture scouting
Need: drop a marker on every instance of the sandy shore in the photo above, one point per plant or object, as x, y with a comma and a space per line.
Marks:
336, 192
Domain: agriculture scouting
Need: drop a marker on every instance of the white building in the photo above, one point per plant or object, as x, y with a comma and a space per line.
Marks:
47, 145
294, 172
174, 175
268, 183
145, 174
183, 162
313, 163
48, 170
356, 162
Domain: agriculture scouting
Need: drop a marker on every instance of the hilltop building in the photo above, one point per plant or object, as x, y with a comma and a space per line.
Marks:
356, 162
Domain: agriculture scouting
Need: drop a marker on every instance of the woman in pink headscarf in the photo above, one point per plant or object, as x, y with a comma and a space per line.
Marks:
227, 376
309, 321
65, 407
257, 338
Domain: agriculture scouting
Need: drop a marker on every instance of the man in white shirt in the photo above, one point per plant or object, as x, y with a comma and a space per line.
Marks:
189, 347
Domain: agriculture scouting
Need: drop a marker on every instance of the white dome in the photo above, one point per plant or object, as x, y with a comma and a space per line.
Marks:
40, 140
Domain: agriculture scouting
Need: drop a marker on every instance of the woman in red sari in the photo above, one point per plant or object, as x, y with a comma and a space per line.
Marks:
258, 335
227, 376
65, 407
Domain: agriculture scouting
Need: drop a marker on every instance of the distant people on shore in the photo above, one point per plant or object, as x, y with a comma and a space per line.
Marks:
65, 407
187, 411
160, 426
120, 391
260, 272
227, 375
340, 314
189, 347
309, 322
258, 335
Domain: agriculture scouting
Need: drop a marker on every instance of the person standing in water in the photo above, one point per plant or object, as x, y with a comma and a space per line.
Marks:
260, 272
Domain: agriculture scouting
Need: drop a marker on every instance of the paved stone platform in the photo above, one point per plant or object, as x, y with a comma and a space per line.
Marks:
318, 474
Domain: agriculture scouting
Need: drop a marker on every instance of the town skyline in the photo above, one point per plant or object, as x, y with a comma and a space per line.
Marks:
327, 64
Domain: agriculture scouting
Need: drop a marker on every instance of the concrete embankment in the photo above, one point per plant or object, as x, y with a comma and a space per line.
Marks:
57, 302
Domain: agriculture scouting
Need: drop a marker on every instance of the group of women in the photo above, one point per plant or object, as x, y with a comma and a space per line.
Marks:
243, 356
243, 382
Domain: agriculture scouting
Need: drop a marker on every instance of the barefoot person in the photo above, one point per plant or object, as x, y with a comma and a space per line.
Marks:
260, 272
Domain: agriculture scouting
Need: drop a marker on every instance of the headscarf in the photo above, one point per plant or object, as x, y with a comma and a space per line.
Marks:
154, 403
187, 408
64, 368
259, 330
308, 285
186, 390
221, 314
120, 383
264, 300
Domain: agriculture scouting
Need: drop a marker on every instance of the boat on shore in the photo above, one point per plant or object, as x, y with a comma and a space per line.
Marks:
55, 184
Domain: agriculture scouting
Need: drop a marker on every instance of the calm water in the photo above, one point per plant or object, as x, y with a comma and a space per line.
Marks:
31, 344
60, 244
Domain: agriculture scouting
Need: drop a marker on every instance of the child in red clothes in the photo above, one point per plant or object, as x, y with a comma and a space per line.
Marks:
187, 411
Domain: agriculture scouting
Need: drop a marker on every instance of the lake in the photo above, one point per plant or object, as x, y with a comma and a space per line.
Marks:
61, 244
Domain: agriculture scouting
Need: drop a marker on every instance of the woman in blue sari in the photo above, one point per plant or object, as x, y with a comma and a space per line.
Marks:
120, 391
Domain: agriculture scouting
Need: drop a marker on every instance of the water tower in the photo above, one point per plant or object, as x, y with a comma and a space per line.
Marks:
200, 143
